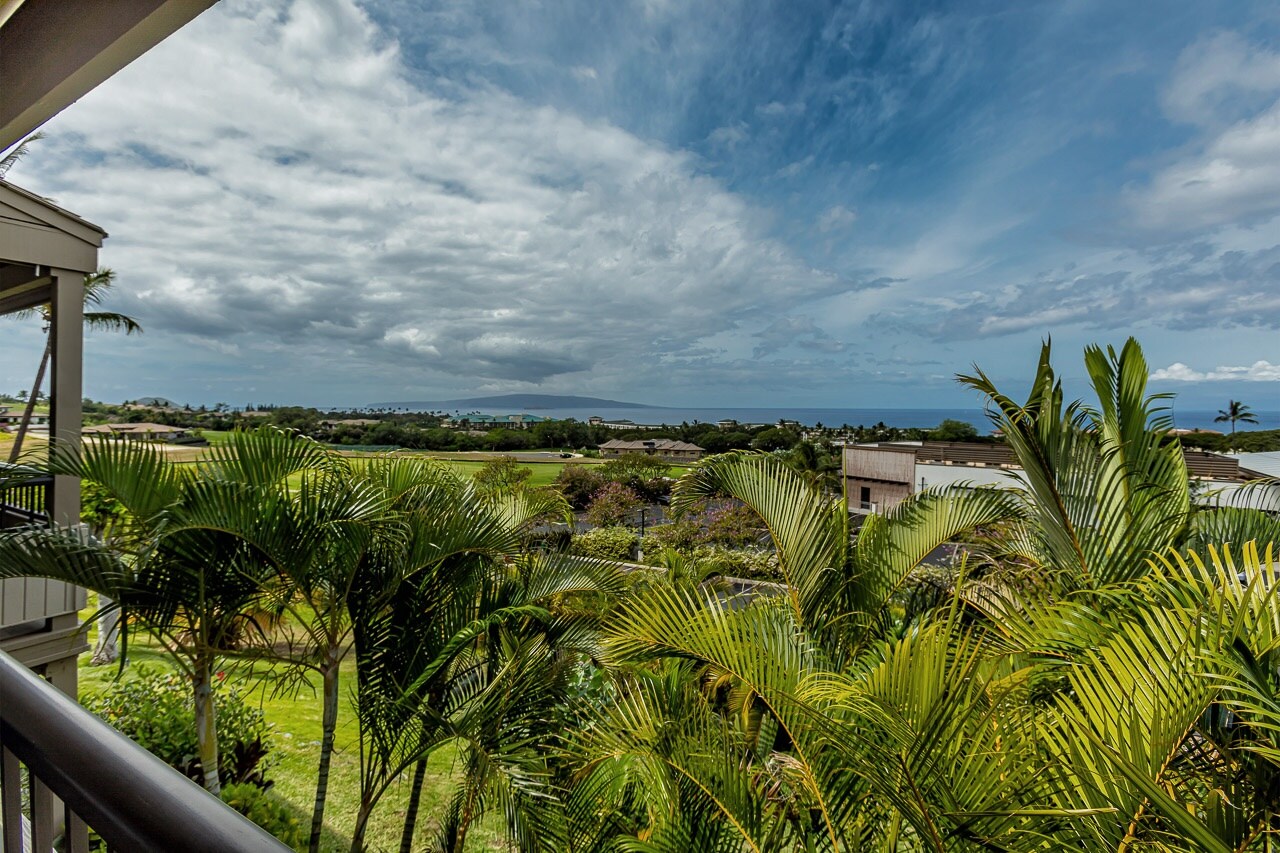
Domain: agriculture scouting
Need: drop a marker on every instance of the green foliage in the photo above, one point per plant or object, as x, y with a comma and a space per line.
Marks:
1250, 441
751, 563
605, 543
296, 417
953, 430
776, 438
155, 710
268, 811
100, 509
499, 475
631, 468
578, 483
643, 474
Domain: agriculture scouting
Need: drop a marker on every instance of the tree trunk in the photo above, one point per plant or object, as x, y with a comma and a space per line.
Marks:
329, 725
362, 826
104, 650
206, 728
411, 818
27, 412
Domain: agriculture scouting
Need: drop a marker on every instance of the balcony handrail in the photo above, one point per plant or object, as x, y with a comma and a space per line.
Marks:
24, 494
132, 799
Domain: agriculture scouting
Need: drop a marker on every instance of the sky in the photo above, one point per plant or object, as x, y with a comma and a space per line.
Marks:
798, 203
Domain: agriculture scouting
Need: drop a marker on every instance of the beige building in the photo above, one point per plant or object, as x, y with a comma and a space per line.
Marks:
879, 476
137, 432
663, 448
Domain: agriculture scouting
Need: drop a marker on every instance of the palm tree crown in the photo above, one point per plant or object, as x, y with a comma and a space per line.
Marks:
1235, 411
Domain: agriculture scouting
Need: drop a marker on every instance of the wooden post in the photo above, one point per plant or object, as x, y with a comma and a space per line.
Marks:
66, 392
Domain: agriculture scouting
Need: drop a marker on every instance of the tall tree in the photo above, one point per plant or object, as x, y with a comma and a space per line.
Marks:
1235, 412
96, 286
191, 559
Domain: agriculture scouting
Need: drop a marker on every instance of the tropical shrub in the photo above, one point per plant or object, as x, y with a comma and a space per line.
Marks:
501, 474
605, 543
155, 709
613, 504
645, 475
724, 524
269, 811
578, 482
751, 563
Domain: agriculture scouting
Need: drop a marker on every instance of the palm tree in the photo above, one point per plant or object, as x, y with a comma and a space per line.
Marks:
336, 522
464, 640
1050, 702
1235, 411
193, 555
96, 287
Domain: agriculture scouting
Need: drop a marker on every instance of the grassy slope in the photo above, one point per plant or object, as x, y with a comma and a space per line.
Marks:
544, 473
296, 754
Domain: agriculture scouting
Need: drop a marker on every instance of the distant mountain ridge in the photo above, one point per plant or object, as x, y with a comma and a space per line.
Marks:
514, 401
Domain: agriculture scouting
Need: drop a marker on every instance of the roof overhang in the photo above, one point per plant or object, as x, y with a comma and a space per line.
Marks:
35, 237
52, 52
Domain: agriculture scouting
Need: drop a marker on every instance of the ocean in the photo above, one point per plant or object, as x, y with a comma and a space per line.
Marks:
1190, 419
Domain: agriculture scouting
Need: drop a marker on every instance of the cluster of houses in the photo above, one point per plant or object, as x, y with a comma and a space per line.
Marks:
662, 448
475, 420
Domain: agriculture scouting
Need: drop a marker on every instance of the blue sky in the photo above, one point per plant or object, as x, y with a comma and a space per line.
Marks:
684, 203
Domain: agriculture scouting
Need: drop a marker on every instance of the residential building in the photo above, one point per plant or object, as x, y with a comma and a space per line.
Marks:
663, 448
879, 476
137, 432
9, 420
479, 421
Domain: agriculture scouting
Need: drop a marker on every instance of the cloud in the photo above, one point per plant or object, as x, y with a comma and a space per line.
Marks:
314, 204
1236, 177
1217, 74
835, 218
1259, 371
1185, 287
795, 168
777, 109
729, 136
1228, 87
795, 331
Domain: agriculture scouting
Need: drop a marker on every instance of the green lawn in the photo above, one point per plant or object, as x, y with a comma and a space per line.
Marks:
295, 755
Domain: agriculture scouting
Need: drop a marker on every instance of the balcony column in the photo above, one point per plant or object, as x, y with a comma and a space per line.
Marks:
67, 387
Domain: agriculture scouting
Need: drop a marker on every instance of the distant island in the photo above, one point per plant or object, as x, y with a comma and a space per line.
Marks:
514, 401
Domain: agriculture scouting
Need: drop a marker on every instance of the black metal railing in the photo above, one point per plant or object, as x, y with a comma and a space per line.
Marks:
105, 782
24, 499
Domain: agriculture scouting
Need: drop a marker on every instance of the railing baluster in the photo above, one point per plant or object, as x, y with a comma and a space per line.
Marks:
41, 815
11, 801
131, 798
76, 835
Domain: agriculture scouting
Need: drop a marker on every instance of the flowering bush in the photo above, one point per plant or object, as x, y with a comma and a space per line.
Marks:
604, 543
750, 563
612, 504
155, 709
726, 524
